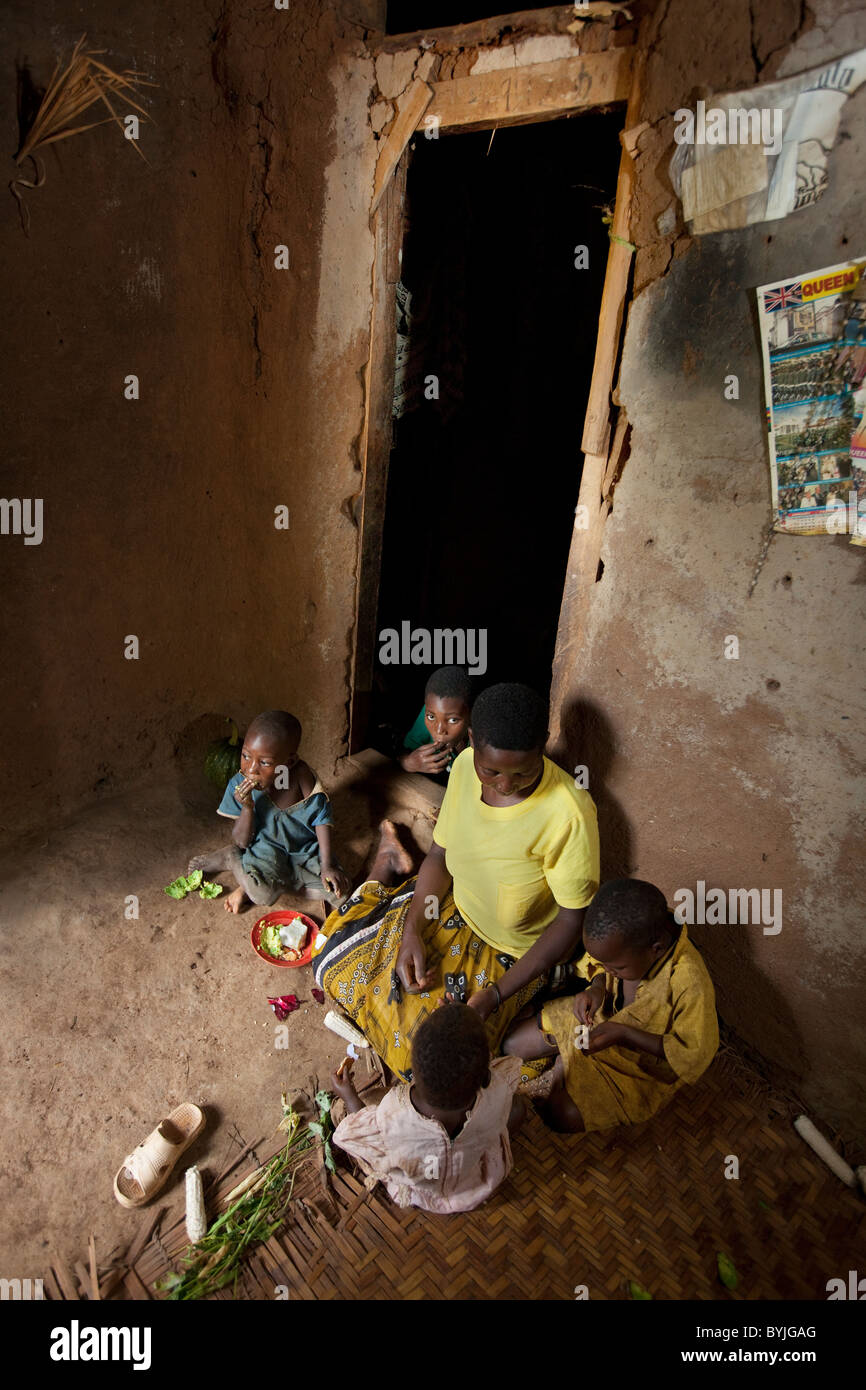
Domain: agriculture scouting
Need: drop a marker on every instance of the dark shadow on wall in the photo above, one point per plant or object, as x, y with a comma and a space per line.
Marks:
587, 739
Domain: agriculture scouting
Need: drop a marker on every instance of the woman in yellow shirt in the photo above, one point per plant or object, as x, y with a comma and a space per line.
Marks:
497, 903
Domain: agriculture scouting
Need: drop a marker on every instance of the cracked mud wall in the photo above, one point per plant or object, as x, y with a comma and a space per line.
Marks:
159, 513
750, 772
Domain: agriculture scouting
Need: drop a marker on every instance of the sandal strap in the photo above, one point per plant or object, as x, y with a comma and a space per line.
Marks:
151, 1160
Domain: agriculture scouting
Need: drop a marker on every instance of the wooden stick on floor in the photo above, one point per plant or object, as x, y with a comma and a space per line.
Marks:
94, 1274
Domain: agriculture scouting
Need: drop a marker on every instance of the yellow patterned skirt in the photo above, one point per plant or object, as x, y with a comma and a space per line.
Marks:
356, 966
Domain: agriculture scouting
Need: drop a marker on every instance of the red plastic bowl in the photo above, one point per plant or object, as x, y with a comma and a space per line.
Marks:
278, 919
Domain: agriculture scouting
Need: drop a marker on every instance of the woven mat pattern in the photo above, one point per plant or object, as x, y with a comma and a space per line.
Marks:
650, 1203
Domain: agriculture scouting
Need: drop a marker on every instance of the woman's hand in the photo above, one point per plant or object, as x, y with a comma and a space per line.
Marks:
433, 882
484, 1001
589, 1001
412, 963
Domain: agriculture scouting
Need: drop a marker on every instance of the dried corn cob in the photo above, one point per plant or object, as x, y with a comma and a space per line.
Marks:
344, 1029
196, 1221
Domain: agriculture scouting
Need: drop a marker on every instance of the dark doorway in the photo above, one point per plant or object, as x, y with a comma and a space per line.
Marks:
496, 338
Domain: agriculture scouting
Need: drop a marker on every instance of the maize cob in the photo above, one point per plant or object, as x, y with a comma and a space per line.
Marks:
196, 1221
344, 1029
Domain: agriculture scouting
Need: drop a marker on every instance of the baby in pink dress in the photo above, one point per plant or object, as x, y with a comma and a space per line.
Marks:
441, 1141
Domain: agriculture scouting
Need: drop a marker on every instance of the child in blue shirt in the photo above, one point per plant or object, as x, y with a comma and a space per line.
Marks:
281, 841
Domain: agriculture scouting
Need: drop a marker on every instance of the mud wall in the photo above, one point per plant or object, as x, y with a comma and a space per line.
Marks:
159, 512
743, 773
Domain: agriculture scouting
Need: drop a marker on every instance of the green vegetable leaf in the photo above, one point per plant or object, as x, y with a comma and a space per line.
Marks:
194, 880
168, 1282
177, 889
329, 1158
315, 1128
323, 1100
210, 890
638, 1292
727, 1270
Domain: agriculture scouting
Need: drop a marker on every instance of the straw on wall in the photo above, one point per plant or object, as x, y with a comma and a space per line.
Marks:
83, 82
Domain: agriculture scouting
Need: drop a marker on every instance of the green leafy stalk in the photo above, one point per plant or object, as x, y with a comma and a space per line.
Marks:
253, 1217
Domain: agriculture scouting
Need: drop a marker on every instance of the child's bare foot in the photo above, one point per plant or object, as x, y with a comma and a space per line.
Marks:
208, 863
235, 901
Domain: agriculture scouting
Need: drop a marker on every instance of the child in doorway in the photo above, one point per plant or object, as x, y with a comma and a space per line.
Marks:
441, 1141
441, 730
281, 841
645, 1026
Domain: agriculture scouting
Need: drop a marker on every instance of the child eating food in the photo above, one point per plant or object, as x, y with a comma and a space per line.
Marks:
281, 841
441, 730
645, 1026
440, 1141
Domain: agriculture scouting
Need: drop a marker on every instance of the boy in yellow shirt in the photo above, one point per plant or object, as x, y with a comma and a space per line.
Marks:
645, 1026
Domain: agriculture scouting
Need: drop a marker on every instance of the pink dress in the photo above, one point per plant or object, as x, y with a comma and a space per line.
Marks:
414, 1156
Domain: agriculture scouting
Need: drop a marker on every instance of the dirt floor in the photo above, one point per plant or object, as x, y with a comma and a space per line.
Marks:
109, 1022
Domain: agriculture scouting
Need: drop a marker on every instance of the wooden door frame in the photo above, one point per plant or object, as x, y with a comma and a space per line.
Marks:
508, 96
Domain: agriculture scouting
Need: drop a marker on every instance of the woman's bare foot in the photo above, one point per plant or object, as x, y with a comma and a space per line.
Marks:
235, 901
391, 861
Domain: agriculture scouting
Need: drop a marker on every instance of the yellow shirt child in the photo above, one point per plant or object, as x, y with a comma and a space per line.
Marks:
622, 1059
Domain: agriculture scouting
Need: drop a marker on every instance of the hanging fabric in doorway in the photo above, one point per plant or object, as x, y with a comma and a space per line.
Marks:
429, 365
813, 339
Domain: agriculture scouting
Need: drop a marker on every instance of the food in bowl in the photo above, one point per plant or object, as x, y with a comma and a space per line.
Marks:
271, 941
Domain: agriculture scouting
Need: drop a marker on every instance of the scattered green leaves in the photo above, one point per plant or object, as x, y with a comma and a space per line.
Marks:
325, 1128
638, 1292
727, 1270
168, 1281
183, 885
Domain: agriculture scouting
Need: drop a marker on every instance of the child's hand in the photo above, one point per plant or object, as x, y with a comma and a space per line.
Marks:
604, 1035
429, 758
243, 792
341, 1081
588, 1002
335, 881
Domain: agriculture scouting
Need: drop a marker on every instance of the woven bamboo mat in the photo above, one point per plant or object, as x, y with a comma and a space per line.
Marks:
650, 1203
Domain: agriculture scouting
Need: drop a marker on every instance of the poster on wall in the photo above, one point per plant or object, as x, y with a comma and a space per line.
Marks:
759, 155
813, 338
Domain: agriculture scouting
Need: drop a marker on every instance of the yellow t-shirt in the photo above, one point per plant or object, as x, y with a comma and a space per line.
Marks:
514, 866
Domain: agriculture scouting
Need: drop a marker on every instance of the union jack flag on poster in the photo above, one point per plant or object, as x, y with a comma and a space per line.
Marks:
783, 297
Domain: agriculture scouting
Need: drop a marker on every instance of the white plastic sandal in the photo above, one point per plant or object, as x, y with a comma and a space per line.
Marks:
147, 1169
